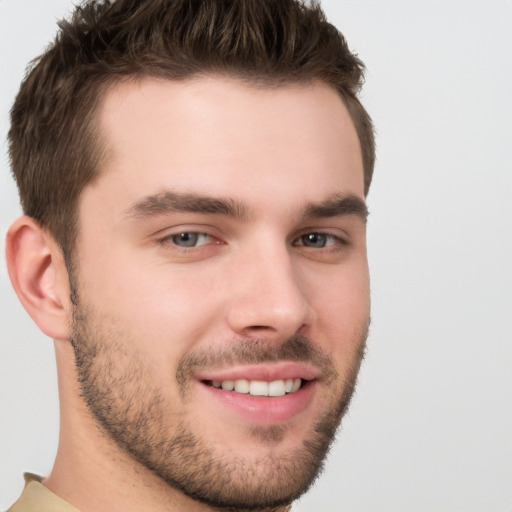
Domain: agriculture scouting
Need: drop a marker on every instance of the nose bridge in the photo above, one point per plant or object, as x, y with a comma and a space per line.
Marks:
269, 295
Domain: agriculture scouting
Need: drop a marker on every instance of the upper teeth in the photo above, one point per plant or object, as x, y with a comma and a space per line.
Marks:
259, 387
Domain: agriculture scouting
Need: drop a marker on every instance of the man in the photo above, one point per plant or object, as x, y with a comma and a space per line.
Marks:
193, 177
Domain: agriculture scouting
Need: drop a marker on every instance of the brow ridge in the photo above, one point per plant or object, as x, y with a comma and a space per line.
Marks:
175, 202
336, 206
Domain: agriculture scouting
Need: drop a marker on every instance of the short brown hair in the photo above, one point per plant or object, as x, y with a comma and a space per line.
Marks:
55, 150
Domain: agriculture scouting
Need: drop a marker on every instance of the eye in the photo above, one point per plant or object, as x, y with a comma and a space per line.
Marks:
189, 239
318, 240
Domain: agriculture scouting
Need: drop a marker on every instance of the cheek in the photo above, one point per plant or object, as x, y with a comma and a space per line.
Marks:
343, 306
162, 311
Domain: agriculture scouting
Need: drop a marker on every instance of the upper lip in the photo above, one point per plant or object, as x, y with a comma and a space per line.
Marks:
268, 372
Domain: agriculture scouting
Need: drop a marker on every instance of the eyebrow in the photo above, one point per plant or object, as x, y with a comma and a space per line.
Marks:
336, 206
174, 202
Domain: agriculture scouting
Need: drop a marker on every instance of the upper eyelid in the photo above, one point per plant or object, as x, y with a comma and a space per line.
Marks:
211, 231
327, 231
188, 232
199, 242
199, 229
169, 236
341, 239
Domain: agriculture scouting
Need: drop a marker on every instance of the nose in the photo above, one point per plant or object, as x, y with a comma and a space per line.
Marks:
269, 296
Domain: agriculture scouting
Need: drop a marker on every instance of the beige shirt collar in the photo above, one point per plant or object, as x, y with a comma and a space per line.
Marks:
37, 498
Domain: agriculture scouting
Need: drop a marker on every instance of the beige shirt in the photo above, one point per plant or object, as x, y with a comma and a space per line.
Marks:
37, 498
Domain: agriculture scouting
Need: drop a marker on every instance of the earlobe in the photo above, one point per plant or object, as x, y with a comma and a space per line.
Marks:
39, 276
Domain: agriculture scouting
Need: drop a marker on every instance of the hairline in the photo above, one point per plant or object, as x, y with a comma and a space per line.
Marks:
100, 150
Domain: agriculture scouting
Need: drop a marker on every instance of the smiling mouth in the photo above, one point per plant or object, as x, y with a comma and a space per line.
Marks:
273, 388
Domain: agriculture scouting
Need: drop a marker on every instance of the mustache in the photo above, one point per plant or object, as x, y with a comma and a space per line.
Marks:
256, 351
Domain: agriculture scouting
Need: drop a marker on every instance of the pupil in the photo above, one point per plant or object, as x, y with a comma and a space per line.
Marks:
186, 239
315, 240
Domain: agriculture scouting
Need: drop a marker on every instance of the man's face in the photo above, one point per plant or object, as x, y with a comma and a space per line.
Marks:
223, 246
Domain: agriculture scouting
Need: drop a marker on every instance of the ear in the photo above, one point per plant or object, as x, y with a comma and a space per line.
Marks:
39, 276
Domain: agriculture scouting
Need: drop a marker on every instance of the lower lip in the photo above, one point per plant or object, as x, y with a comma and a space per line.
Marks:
263, 410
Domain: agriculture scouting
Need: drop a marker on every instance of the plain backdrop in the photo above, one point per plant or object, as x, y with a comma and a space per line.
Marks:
430, 428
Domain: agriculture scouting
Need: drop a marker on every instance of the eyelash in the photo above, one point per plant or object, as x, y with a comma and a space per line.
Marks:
336, 240
298, 242
171, 238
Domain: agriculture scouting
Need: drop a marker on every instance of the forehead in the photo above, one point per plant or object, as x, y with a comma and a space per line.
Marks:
223, 137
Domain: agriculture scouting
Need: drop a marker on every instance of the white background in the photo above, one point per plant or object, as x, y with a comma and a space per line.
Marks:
430, 429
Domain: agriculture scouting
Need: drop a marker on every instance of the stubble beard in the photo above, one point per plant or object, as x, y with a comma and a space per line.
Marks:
120, 391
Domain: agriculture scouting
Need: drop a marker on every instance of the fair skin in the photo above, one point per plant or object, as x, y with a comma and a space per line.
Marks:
268, 182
